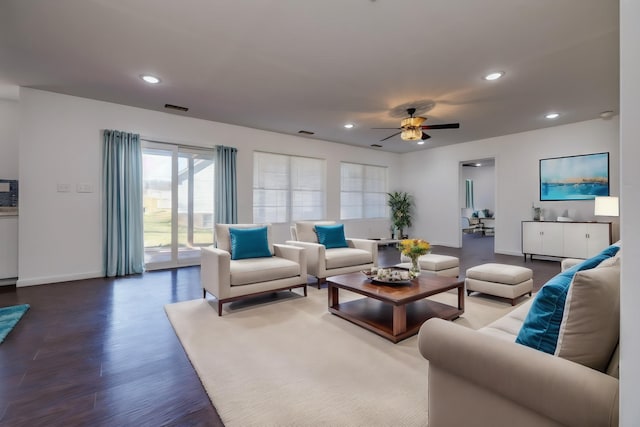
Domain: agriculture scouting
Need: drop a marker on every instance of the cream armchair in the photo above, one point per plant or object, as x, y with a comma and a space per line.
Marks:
232, 279
361, 254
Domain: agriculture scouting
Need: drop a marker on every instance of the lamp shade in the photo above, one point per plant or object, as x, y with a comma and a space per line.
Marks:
606, 206
411, 134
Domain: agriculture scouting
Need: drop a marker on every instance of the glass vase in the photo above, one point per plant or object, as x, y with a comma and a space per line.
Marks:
414, 271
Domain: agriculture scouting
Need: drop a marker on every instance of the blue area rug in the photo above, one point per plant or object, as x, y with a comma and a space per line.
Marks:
9, 317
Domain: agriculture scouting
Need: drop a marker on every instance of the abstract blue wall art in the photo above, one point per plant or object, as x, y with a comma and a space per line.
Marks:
580, 177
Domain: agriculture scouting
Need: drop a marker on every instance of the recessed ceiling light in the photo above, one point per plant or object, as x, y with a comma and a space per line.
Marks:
552, 116
494, 76
349, 126
150, 79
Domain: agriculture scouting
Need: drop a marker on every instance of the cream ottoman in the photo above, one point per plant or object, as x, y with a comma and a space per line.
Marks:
501, 280
440, 265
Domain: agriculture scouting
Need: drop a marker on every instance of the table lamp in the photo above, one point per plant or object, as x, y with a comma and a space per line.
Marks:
606, 206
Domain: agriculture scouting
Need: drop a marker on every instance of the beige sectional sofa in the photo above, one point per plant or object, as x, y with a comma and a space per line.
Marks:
484, 378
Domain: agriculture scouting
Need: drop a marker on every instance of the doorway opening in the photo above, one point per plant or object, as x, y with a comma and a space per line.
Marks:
477, 202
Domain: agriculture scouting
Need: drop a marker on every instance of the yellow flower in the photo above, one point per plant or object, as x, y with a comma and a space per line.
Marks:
414, 247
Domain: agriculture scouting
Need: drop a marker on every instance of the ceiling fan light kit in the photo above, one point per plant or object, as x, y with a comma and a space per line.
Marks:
411, 128
411, 134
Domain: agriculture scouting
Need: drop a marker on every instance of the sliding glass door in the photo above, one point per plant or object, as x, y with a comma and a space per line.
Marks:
178, 204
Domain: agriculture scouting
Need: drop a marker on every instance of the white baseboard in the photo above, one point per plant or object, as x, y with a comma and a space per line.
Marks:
506, 252
56, 279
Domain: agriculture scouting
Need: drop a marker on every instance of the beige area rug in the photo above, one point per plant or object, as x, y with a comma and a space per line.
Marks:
286, 361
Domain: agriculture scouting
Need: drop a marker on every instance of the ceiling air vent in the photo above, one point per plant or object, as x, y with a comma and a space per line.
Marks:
175, 107
306, 132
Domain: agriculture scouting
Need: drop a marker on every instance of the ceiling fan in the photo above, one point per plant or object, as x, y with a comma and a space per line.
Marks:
411, 128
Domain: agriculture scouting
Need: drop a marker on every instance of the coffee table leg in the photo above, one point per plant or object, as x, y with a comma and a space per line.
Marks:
332, 293
461, 298
399, 319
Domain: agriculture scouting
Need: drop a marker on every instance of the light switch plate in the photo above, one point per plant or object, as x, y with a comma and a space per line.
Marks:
84, 188
64, 188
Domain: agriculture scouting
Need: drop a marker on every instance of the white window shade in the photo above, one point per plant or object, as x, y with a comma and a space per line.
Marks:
363, 190
287, 188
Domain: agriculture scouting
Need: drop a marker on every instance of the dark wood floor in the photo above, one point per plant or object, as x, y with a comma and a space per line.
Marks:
101, 352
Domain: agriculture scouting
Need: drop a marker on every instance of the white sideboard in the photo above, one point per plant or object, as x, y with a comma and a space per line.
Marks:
8, 249
564, 239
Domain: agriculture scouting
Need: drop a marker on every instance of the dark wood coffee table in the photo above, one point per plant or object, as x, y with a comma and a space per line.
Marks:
396, 311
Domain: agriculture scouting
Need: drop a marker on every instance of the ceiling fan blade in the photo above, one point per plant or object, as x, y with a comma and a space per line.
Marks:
385, 128
397, 133
445, 126
425, 136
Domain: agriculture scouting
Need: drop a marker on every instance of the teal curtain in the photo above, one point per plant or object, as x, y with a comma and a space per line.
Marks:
226, 205
469, 193
123, 227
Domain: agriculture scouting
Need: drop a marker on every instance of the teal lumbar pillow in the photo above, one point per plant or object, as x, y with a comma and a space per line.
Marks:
541, 328
331, 236
249, 243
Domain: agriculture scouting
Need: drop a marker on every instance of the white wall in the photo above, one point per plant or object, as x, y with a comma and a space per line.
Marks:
484, 186
629, 206
432, 176
61, 140
9, 131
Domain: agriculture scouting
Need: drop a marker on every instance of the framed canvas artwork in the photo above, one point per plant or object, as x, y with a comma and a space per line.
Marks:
581, 177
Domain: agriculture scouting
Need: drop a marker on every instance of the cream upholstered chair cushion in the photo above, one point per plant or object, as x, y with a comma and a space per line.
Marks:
230, 279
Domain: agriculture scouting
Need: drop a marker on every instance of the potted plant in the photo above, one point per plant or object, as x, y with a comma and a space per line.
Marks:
400, 203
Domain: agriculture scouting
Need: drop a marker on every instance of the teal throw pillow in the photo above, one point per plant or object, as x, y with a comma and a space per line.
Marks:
249, 243
541, 327
331, 236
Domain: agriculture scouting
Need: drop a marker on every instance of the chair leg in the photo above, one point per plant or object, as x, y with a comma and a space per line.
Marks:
219, 308
204, 293
305, 290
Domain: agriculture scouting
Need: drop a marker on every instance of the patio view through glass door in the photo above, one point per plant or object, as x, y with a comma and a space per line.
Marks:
178, 204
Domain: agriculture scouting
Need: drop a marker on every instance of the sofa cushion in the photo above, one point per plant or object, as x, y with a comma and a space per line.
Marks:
331, 236
541, 327
508, 326
305, 230
346, 257
249, 243
247, 271
590, 327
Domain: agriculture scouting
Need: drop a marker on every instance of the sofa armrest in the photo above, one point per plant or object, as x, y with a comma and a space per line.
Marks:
569, 262
564, 391
292, 253
215, 271
366, 245
315, 255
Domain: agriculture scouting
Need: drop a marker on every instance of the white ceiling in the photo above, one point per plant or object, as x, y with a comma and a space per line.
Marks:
288, 65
